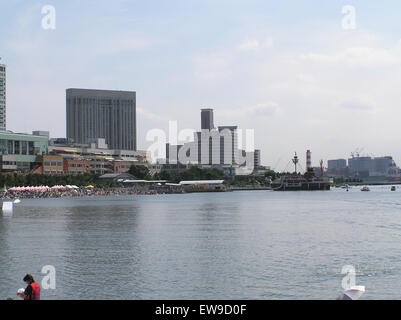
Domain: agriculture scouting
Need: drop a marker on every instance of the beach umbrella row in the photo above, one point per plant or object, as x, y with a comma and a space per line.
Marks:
43, 188
39, 188
59, 187
72, 187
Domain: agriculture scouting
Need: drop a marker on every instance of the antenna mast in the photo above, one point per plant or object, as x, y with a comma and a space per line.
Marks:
295, 160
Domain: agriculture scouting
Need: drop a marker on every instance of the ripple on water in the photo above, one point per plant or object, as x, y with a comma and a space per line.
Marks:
237, 245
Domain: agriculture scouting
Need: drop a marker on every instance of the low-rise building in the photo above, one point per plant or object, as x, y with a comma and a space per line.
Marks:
99, 164
121, 166
117, 177
51, 164
24, 148
8, 163
76, 165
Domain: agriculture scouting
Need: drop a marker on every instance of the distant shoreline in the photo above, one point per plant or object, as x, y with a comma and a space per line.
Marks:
368, 184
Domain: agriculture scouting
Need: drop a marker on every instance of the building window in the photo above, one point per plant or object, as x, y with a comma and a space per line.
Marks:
16, 147
10, 147
31, 148
24, 147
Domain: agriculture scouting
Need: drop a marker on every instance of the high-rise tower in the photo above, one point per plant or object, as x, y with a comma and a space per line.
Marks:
3, 100
207, 119
107, 114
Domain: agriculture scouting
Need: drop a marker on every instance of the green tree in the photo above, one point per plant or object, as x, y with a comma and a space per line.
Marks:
139, 171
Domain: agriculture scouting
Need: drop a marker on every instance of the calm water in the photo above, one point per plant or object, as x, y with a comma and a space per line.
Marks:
234, 245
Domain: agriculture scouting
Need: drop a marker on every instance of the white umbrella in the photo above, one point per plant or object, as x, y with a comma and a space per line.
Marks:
353, 293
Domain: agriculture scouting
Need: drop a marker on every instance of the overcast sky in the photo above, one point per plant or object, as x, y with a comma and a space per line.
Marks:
287, 69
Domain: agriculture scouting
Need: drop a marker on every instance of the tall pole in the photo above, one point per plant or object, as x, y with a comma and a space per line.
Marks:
295, 161
308, 160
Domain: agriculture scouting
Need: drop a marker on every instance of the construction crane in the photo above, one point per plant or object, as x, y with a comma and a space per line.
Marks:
357, 152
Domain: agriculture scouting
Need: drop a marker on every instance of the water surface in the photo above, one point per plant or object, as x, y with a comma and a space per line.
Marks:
233, 245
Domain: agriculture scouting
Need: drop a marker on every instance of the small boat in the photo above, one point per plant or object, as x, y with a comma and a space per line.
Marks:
365, 188
346, 187
393, 188
353, 293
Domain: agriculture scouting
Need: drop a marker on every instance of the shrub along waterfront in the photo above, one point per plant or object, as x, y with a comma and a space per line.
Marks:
139, 172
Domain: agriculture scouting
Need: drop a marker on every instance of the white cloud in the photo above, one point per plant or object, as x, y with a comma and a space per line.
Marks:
213, 66
151, 116
358, 57
296, 92
125, 43
249, 45
256, 44
267, 109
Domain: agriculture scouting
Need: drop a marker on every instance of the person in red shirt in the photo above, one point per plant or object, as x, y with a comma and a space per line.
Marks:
32, 291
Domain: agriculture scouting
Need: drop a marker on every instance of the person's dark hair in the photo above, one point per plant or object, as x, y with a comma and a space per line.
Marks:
29, 278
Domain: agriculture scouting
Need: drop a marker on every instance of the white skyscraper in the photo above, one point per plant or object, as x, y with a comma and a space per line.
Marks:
3, 97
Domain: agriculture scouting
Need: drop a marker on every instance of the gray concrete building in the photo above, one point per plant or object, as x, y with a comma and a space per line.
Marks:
3, 100
257, 159
337, 164
228, 145
207, 119
41, 133
172, 152
97, 114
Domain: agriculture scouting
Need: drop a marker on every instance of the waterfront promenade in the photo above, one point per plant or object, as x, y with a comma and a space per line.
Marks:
115, 191
83, 192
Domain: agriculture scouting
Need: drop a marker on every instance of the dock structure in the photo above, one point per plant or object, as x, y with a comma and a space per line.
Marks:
307, 182
203, 186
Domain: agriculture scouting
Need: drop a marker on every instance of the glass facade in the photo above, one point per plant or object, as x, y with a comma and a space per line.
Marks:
24, 147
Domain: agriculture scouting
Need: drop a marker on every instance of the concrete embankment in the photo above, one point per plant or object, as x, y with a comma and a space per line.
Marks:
248, 188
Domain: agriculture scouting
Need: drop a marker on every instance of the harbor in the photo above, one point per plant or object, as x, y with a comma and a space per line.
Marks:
195, 245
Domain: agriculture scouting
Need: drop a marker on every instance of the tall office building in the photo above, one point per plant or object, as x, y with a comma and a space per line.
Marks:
107, 114
257, 160
3, 97
228, 144
214, 147
207, 119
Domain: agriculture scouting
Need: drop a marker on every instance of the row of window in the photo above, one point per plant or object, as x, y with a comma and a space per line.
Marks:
20, 147
53, 163
124, 166
54, 171
9, 163
77, 165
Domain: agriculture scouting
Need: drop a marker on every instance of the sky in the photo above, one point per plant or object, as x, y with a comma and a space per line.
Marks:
293, 71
